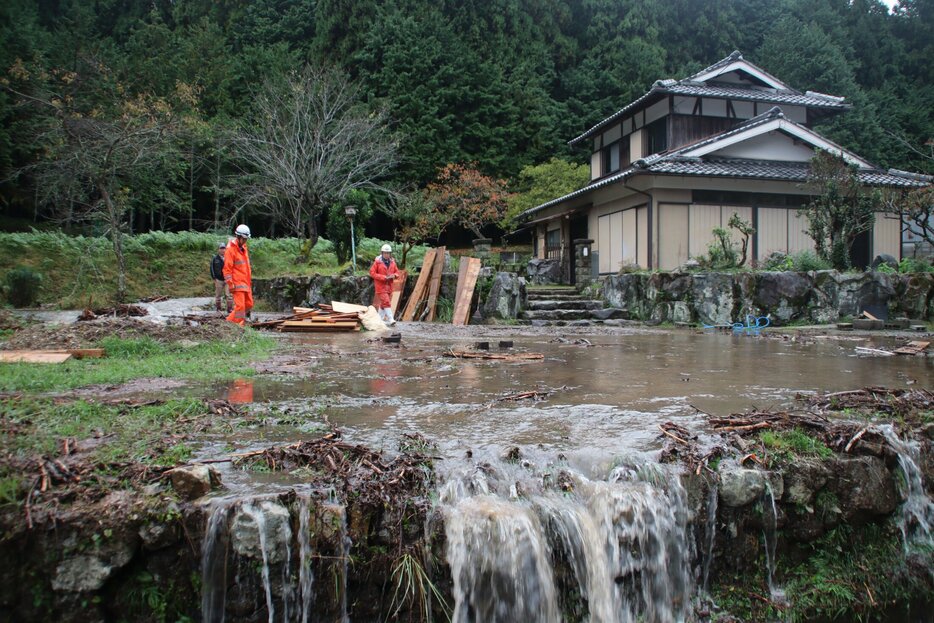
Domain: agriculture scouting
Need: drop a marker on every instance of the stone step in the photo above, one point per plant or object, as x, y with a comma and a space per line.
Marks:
541, 305
552, 296
553, 290
556, 314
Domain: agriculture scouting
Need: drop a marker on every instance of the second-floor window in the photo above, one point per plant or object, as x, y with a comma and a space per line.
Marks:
611, 158
656, 136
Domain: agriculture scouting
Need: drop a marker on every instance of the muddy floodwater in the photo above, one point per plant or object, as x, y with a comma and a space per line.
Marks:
606, 393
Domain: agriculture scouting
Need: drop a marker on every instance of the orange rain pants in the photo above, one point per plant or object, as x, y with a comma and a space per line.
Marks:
239, 278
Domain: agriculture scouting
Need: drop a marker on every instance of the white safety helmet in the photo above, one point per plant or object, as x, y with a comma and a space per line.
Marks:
242, 230
222, 245
386, 249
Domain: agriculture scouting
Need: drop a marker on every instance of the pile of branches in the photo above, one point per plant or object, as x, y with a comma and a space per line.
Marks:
359, 472
897, 403
838, 435
681, 445
118, 311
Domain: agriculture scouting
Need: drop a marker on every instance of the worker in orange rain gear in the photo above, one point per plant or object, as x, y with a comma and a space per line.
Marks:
384, 273
239, 276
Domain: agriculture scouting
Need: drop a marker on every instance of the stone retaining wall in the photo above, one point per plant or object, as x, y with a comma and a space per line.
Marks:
724, 298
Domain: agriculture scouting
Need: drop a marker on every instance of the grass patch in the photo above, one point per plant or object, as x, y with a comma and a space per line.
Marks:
129, 359
790, 443
107, 436
849, 574
852, 573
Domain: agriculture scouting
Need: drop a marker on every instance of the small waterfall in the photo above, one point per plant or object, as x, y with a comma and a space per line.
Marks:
305, 574
710, 533
345, 561
770, 536
917, 518
214, 566
623, 540
260, 519
499, 563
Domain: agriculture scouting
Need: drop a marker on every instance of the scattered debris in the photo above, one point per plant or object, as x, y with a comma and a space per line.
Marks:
873, 352
915, 347
118, 311
364, 474
154, 299
462, 354
578, 342
534, 395
897, 403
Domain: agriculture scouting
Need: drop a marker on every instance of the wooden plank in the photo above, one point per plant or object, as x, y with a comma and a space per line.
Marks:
436, 270
398, 287
27, 356
421, 285
80, 353
466, 354
332, 323
466, 283
347, 308
914, 347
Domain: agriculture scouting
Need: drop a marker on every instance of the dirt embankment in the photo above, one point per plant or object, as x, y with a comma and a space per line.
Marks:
86, 334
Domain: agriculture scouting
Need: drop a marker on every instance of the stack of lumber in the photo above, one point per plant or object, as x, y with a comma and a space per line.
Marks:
334, 318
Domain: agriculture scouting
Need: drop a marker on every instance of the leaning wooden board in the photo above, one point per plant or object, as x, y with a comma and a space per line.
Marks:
398, 286
466, 282
436, 271
421, 286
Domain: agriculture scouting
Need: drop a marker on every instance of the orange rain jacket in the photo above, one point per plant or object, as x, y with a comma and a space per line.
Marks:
381, 281
237, 271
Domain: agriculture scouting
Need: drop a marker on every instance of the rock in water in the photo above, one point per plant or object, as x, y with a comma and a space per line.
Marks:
192, 482
739, 487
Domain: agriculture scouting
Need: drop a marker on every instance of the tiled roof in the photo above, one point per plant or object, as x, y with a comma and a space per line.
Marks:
776, 96
675, 163
690, 88
769, 170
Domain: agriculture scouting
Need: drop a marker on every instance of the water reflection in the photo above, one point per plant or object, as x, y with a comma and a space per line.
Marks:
240, 391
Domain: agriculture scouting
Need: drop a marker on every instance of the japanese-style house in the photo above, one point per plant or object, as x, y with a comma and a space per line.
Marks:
679, 161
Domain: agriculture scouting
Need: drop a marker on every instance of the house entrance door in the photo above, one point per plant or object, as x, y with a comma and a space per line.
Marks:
578, 231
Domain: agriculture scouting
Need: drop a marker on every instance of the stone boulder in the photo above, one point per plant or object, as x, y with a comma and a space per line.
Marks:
625, 292
803, 478
914, 294
507, 297
543, 272
783, 295
193, 481
89, 572
267, 519
886, 259
740, 486
864, 487
713, 298
860, 291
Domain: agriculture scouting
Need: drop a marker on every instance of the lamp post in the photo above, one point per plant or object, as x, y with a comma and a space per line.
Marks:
350, 211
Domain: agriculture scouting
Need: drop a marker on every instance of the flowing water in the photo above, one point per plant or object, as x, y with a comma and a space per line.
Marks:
917, 515
582, 520
710, 533
618, 547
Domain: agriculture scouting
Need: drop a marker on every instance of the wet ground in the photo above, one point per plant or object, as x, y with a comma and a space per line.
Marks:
602, 395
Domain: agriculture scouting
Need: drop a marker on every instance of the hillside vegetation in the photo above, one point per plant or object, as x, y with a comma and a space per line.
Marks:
77, 270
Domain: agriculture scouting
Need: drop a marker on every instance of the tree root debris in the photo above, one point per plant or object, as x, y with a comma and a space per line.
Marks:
355, 470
